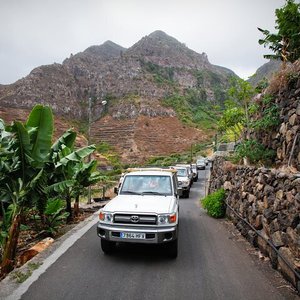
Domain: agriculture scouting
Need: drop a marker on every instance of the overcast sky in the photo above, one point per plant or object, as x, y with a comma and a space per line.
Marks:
41, 32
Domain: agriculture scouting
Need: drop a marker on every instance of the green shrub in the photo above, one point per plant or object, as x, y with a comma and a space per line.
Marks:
103, 147
255, 152
214, 203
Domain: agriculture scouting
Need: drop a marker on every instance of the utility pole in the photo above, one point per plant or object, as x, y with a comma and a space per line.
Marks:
103, 103
89, 142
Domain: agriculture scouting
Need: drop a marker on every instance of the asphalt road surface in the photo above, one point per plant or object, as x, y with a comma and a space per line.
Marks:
211, 264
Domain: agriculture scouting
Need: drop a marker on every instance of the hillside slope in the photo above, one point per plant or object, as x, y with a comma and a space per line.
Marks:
266, 71
156, 78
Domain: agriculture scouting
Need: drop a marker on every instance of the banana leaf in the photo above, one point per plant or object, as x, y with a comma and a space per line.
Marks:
67, 139
76, 156
22, 146
40, 118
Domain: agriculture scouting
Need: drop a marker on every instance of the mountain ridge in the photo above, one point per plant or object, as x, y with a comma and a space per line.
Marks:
157, 77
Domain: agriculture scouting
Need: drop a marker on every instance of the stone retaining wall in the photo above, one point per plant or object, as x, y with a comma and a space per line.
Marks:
270, 201
284, 139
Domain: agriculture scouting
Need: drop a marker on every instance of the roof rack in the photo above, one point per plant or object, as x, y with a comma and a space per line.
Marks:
150, 169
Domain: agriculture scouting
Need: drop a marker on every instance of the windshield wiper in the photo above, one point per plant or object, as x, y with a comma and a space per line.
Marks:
131, 192
152, 193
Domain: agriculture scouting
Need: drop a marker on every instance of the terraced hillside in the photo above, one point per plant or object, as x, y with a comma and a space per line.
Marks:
142, 137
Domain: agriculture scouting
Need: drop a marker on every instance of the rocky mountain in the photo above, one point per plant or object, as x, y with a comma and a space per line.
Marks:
266, 71
158, 78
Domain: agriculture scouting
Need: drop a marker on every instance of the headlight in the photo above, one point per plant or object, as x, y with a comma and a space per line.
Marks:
166, 219
105, 217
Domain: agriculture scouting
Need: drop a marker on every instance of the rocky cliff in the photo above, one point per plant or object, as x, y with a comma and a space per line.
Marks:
266, 71
134, 83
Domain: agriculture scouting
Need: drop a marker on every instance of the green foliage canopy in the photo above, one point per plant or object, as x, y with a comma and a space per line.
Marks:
235, 117
286, 42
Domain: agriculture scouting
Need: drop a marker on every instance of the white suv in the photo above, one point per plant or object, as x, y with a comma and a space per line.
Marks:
184, 180
144, 211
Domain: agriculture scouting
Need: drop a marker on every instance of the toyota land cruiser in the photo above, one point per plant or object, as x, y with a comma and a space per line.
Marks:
144, 211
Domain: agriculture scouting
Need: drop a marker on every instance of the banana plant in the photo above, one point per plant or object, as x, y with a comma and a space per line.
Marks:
85, 175
29, 165
70, 172
24, 151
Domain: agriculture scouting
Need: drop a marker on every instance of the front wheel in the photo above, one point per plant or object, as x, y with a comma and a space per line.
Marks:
172, 249
107, 246
186, 193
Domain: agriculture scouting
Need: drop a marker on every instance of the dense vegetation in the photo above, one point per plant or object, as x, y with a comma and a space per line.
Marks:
193, 109
242, 115
285, 44
38, 179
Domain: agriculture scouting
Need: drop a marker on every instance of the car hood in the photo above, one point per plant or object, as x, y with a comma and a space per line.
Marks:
142, 204
183, 178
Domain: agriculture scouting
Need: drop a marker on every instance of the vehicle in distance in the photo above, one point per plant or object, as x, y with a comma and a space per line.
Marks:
195, 172
201, 164
189, 172
144, 211
184, 180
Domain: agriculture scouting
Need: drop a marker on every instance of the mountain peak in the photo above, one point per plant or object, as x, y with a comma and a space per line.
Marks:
162, 49
158, 34
108, 48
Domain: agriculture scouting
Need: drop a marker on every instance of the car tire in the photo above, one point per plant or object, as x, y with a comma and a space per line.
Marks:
172, 249
187, 194
107, 246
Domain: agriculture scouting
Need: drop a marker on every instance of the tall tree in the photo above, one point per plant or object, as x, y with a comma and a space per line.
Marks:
286, 42
236, 115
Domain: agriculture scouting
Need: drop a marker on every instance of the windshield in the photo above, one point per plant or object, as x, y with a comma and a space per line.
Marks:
146, 184
181, 172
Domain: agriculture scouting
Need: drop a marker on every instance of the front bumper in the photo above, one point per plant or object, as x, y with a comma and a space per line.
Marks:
184, 187
154, 235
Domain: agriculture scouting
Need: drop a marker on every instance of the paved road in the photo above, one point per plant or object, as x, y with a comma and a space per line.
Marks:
210, 265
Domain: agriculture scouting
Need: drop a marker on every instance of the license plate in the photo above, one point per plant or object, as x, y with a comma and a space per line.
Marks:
133, 235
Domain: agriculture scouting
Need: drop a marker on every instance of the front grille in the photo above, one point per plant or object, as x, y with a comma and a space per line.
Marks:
135, 219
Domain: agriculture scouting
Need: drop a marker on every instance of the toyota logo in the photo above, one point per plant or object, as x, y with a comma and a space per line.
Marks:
135, 219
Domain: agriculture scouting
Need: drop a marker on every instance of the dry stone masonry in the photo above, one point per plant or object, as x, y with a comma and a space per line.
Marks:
269, 200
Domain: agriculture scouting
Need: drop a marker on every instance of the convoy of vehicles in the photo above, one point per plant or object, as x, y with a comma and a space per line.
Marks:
146, 208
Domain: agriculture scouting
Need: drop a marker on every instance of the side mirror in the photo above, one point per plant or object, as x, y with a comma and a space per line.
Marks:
179, 192
116, 190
